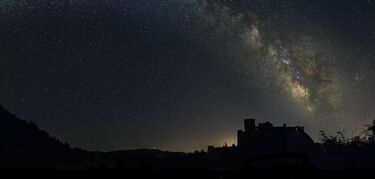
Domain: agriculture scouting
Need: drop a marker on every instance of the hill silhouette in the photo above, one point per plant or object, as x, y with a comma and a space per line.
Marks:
25, 146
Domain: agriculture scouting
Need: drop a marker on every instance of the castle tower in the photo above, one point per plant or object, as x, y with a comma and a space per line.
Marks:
249, 126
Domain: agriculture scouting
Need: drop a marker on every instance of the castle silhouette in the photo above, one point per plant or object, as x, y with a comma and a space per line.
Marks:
266, 139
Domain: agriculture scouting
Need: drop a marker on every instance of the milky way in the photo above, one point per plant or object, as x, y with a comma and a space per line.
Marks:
180, 75
310, 68
301, 70
299, 66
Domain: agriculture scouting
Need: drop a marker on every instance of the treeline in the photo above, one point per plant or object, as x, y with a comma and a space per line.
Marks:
24, 145
357, 152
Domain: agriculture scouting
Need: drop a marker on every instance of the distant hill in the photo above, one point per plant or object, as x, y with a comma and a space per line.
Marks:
24, 146
140, 157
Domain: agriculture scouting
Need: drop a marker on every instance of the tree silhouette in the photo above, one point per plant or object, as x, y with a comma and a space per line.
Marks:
24, 145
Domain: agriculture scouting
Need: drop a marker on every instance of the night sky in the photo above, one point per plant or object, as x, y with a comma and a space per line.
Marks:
180, 75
